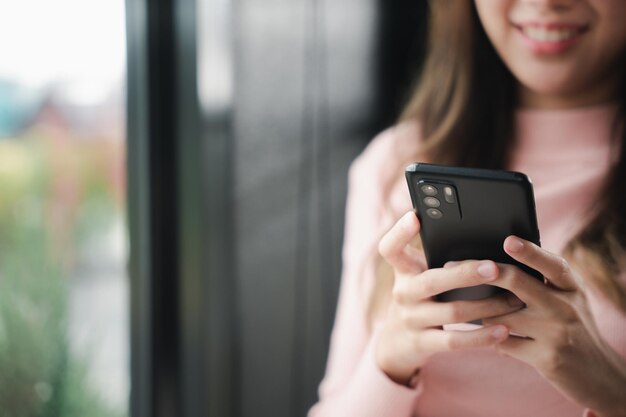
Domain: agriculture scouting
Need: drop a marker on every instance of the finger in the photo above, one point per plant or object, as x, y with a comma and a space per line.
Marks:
553, 267
438, 280
395, 245
434, 314
524, 322
521, 348
416, 254
525, 287
534, 323
435, 340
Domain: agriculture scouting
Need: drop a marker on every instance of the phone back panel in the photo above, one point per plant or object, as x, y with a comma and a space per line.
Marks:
485, 206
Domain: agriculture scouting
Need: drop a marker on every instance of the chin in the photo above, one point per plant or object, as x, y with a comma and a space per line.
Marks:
549, 86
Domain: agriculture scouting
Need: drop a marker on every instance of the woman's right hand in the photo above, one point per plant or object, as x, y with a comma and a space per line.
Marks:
412, 330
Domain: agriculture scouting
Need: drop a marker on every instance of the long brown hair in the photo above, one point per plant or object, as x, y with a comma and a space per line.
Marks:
465, 101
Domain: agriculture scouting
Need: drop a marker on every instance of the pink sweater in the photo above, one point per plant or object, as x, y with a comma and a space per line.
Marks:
566, 154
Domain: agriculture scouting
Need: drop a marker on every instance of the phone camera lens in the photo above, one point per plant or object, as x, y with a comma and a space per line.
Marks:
433, 213
429, 190
432, 202
448, 194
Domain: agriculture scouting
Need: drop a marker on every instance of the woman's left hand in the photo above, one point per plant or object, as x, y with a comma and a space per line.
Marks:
561, 339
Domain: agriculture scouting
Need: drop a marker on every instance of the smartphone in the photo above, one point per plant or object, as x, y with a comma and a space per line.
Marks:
466, 213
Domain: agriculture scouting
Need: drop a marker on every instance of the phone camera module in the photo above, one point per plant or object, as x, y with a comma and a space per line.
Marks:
429, 190
432, 202
433, 213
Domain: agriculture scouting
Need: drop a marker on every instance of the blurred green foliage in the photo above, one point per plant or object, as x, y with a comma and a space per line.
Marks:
51, 199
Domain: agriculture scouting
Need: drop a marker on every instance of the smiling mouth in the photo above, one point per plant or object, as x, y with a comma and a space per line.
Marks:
551, 34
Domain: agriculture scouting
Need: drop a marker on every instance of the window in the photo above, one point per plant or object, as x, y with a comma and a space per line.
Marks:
63, 241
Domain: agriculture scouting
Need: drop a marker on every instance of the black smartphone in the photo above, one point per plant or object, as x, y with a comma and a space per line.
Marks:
466, 213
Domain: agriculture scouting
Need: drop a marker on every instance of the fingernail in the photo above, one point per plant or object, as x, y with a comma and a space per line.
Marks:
513, 301
500, 332
407, 221
450, 264
514, 245
487, 270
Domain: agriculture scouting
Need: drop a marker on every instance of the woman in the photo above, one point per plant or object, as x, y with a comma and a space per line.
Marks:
536, 86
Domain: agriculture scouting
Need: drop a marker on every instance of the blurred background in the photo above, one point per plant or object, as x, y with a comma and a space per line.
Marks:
172, 188
64, 317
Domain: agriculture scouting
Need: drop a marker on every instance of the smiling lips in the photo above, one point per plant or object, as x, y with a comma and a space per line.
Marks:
550, 39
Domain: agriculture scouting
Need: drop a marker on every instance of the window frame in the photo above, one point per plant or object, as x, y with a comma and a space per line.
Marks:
183, 355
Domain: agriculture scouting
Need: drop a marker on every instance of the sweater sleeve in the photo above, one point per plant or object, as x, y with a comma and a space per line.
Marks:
353, 384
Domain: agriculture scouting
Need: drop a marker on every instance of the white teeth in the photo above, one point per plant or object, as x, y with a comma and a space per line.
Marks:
548, 35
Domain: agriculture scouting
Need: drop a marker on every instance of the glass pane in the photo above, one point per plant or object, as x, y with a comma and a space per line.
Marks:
63, 241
